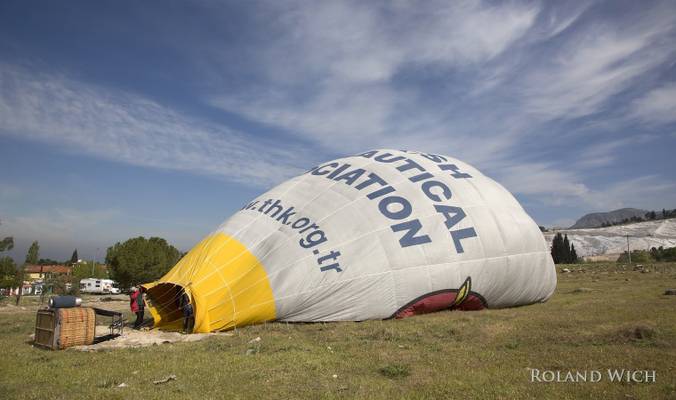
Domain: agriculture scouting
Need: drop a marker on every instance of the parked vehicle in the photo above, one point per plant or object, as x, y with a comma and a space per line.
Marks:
99, 286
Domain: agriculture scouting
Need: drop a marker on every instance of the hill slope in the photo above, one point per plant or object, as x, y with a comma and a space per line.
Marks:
613, 239
596, 220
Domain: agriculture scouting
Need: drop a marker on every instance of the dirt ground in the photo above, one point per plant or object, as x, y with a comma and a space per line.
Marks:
130, 337
142, 338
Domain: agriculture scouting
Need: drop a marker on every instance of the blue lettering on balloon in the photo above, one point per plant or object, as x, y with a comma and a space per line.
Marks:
434, 157
462, 234
384, 158
318, 170
369, 154
456, 173
337, 171
350, 177
445, 191
452, 214
411, 228
284, 218
405, 207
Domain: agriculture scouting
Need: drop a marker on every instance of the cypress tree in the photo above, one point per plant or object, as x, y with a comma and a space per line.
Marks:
573, 254
557, 245
565, 251
33, 253
74, 257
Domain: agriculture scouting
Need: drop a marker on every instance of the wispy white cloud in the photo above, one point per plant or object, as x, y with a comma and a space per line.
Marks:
542, 179
605, 152
344, 57
345, 94
560, 19
553, 186
354, 41
535, 94
596, 64
657, 106
344, 76
651, 192
132, 129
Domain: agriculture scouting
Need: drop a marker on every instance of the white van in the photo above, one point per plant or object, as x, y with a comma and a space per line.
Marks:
98, 286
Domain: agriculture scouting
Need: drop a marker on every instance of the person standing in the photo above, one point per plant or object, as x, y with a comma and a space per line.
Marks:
188, 314
137, 306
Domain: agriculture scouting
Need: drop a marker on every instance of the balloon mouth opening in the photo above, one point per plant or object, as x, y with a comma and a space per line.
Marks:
164, 302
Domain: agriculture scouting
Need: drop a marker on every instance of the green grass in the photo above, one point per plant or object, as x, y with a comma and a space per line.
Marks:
602, 316
395, 371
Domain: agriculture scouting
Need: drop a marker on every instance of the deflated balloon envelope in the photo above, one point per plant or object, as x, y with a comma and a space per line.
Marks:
382, 234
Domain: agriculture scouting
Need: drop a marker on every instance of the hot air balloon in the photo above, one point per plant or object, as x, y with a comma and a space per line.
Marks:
382, 234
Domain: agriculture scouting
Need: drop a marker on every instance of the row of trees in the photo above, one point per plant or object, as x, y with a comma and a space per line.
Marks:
49, 261
135, 261
655, 254
10, 276
563, 252
649, 216
662, 254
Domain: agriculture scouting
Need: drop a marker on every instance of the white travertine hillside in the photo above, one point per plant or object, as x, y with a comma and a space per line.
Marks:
612, 240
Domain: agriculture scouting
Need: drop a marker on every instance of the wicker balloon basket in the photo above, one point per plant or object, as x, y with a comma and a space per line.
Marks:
60, 328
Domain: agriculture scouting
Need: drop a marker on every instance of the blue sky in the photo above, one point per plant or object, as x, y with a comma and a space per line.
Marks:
122, 118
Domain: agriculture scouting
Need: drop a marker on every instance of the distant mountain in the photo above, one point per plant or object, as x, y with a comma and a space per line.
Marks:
596, 220
613, 239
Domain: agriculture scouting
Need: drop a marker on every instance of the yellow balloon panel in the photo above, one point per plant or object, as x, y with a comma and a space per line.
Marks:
227, 285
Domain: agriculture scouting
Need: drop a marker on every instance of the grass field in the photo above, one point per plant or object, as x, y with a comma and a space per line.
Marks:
602, 316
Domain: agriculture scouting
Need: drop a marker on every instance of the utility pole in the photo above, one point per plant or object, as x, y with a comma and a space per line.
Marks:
96, 255
628, 251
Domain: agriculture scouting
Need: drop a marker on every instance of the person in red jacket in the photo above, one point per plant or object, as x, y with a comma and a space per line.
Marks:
137, 306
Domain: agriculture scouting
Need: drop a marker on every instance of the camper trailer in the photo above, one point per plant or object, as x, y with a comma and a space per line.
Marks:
99, 286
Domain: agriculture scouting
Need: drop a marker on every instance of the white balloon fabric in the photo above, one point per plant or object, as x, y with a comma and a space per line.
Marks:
382, 234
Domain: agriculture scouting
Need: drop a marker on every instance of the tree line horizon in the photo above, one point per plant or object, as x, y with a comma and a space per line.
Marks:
135, 261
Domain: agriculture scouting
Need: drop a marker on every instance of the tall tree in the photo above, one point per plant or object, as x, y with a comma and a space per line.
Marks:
8, 273
33, 254
573, 254
565, 251
32, 257
6, 243
74, 257
557, 245
141, 260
